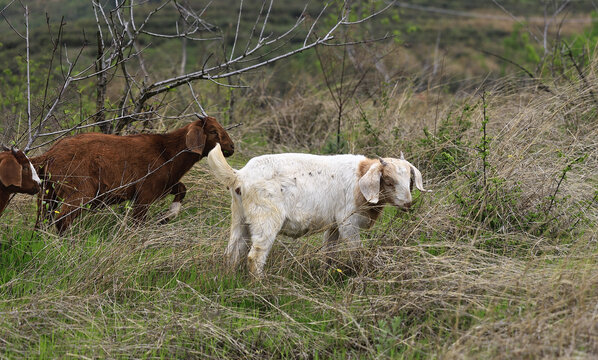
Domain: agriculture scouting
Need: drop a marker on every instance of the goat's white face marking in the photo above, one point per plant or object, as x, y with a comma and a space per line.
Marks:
34, 174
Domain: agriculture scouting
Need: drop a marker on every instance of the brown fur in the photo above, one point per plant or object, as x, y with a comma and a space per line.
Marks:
370, 211
96, 169
15, 176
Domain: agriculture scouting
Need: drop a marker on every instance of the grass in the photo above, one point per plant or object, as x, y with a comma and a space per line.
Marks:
499, 261
438, 281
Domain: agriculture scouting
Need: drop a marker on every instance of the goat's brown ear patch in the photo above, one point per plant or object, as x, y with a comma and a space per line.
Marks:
369, 183
196, 140
10, 172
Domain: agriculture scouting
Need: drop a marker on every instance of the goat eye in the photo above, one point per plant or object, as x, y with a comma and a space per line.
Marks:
213, 132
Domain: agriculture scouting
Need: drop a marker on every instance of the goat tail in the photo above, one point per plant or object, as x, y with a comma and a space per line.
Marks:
220, 168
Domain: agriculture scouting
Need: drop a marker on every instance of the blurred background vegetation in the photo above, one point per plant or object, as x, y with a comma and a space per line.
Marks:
434, 46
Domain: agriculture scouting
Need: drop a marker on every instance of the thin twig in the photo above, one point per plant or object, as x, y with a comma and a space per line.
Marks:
232, 52
532, 76
203, 113
29, 129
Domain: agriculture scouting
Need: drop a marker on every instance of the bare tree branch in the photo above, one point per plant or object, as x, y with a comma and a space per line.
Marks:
203, 113
8, 22
548, 22
6, 7
121, 76
29, 130
50, 111
540, 84
392, 3
232, 52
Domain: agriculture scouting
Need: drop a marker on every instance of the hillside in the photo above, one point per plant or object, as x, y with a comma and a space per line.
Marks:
460, 31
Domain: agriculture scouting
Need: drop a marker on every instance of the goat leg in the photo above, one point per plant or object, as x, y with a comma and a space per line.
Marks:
46, 205
240, 237
4, 199
331, 240
263, 228
179, 191
69, 210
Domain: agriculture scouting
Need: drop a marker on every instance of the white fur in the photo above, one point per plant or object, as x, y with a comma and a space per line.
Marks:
174, 209
34, 175
296, 194
172, 212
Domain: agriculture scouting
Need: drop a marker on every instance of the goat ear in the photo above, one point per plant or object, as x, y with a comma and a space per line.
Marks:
369, 183
418, 179
10, 172
196, 139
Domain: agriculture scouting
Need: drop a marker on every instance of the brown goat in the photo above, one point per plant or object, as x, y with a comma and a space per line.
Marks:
17, 175
94, 169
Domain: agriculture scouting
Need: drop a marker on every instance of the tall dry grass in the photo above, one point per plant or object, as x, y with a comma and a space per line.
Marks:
498, 269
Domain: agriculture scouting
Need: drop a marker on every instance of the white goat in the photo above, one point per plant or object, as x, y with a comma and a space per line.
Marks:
296, 194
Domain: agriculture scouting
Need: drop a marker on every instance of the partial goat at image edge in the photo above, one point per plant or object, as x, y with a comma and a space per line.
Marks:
17, 175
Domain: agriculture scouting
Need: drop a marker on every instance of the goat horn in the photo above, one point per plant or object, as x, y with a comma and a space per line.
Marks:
384, 163
402, 156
